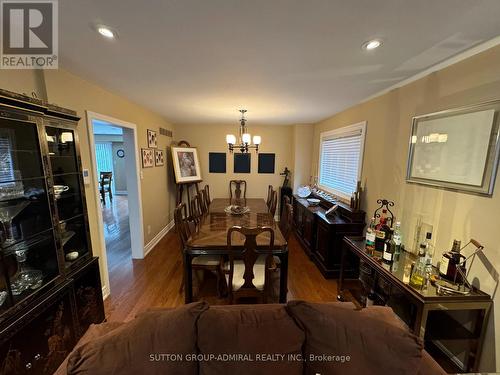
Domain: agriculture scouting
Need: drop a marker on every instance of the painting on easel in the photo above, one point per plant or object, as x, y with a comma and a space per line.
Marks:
186, 164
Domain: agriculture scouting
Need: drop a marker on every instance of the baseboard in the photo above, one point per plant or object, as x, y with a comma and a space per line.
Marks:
105, 292
154, 241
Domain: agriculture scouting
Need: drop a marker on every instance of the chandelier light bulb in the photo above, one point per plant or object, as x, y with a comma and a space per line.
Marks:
230, 139
246, 138
256, 139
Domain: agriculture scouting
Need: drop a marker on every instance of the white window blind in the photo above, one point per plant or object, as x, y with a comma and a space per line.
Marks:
104, 158
340, 159
6, 165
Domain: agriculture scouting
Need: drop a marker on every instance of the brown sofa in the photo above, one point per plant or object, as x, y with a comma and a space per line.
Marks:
297, 338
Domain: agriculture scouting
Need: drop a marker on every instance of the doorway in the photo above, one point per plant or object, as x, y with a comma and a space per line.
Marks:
116, 186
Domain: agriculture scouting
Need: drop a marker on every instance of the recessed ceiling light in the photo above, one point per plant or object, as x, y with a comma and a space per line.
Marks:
371, 44
106, 31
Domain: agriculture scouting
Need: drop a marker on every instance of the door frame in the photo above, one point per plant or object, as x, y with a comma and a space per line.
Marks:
134, 191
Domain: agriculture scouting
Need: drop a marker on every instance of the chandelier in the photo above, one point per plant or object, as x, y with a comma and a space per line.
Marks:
244, 140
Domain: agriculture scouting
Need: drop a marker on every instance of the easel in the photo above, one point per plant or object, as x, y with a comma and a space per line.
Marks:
186, 186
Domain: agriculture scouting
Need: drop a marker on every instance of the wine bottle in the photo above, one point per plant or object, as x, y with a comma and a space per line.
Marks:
381, 234
370, 238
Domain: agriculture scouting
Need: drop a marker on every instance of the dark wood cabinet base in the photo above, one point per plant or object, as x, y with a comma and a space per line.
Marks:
321, 236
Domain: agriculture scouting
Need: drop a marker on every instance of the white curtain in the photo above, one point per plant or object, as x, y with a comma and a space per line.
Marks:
104, 158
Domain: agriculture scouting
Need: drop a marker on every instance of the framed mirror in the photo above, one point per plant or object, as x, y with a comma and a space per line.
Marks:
456, 149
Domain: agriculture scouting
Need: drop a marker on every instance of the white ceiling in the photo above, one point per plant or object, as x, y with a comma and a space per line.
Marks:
286, 61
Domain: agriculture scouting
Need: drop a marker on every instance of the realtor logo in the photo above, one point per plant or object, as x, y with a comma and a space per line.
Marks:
29, 34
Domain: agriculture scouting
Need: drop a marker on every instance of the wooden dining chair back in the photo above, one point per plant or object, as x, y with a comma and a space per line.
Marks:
270, 190
105, 181
206, 190
238, 185
202, 202
181, 224
250, 275
195, 209
274, 202
286, 218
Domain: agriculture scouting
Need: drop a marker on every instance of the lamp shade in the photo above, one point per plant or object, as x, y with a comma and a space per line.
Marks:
256, 139
230, 139
246, 138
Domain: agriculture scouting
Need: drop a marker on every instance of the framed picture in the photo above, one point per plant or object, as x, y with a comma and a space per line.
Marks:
148, 159
266, 163
186, 164
217, 162
152, 139
456, 149
159, 158
242, 163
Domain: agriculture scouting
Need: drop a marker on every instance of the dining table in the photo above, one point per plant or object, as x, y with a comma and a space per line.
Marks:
210, 238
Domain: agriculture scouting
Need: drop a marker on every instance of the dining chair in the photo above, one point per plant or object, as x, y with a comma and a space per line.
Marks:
237, 189
249, 276
206, 189
270, 190
285, 223
212, 263
105, 180
195, 210
202, 202
274, 202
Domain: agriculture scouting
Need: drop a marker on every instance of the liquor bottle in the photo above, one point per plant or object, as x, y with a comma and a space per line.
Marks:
370, 238
381, 234
429, 253
397, 240
418, 276
449, 263
388, 255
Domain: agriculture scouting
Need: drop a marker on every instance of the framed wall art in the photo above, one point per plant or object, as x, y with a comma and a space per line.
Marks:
217, 162
159, 158
242, 163
152, 139
266, 163
148, 159
186, 164
456, 149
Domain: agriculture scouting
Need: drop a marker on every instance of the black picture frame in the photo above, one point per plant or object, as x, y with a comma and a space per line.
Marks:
266, 163
217, 162
242, 163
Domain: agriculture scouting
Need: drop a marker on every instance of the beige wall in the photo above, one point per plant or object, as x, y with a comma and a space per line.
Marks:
212, 138
454, 215
67, 90
303, 136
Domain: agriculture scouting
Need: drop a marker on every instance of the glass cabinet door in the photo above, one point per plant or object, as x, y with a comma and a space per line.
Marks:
27, 244
67, 193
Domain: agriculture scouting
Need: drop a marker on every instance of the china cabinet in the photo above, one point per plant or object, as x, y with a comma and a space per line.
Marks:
48, 276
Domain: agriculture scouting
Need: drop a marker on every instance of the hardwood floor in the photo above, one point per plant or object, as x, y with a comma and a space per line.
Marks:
137, 285
117, 234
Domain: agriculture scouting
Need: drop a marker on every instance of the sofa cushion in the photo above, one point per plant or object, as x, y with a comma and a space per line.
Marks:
340, 340
142, 345
265, 336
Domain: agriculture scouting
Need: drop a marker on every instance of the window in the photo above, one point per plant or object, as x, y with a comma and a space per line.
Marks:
340, 159
6, 165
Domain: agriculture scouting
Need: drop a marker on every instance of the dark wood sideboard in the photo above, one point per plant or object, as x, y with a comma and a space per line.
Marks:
321, 236
451, 326
50, 285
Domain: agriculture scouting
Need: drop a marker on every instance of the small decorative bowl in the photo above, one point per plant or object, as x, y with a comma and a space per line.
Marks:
313, 201
304, 191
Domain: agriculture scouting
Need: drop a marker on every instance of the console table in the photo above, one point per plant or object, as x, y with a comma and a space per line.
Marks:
321, 235
451, 326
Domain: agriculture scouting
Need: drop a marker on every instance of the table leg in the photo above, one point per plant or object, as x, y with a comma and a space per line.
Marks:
283, 276
340, 295
188, 278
